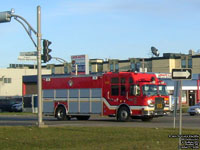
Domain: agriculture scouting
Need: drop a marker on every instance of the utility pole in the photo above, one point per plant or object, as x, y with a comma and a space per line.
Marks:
180, 115
39, 84
6, 17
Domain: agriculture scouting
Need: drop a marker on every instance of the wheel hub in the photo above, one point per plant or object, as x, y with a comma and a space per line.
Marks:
124, 114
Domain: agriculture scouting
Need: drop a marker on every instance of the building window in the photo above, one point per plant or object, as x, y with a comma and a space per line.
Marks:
117, 67
132, 66
99, 68
138, 66
183, 63
7, 80
90, 68
53, 70
189, 63
111, 68
65, 69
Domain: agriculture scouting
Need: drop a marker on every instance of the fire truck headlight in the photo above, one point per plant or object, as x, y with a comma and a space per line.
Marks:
150, 103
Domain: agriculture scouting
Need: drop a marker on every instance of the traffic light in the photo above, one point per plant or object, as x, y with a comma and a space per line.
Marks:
46, 57
5, 16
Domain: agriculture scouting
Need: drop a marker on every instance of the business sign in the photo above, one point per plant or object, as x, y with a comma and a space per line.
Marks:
182, 74
82, 63
28, 56
163, 75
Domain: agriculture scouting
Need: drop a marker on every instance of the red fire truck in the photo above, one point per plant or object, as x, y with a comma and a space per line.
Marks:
123, 95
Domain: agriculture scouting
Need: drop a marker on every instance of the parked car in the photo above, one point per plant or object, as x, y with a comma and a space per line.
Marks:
5, 105
17, 107
194, 110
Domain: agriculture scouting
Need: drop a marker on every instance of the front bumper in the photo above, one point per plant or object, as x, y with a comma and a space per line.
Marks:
195, 112
155, 113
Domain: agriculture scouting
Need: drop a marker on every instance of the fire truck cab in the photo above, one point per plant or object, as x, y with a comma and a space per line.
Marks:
123, 95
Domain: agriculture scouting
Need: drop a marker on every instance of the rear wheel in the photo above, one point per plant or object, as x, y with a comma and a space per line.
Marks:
82, 117
61, 114
123, 114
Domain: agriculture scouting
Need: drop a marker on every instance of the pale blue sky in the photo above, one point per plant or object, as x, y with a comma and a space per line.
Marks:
115, 29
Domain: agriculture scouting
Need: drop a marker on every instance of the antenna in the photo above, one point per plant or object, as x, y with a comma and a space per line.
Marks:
155, 51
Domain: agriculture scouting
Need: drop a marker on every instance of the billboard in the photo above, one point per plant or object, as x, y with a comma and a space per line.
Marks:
82, 63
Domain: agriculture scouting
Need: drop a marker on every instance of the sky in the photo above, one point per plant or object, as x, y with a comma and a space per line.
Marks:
104, 29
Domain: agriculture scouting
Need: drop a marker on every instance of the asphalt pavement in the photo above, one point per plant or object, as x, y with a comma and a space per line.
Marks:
190, 122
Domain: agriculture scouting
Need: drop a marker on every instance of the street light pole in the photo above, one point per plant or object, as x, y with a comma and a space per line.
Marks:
39, 84
6, 17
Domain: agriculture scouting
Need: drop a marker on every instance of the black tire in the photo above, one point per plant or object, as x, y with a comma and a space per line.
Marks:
61, 113
147, 119
82, 117
123, 114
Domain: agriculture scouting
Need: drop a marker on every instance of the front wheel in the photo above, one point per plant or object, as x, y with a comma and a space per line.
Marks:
123, 114
61, 114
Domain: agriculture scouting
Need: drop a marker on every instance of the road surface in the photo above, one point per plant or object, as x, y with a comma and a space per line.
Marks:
192, 122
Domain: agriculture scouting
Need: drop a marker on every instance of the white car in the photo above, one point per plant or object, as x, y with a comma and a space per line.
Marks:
194, 110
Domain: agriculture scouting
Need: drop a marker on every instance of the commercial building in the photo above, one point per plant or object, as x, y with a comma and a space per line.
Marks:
11, 80
162, 64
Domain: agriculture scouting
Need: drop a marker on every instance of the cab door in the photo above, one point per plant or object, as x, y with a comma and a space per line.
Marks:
123, 87
134, 93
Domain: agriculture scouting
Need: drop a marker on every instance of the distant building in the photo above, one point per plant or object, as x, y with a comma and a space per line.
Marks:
11, 80
162, 64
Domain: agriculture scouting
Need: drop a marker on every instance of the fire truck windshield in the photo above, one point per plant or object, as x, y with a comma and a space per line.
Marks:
162, 90
151, 90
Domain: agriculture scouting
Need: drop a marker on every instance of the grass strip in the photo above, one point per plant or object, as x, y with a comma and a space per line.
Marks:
18, 113
89, 138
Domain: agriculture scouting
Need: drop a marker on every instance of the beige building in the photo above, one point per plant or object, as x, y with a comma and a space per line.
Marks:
11, 80
95, 65
162, 64
196, 64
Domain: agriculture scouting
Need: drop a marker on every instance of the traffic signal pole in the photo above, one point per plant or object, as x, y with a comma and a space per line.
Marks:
6, 17
39, 80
